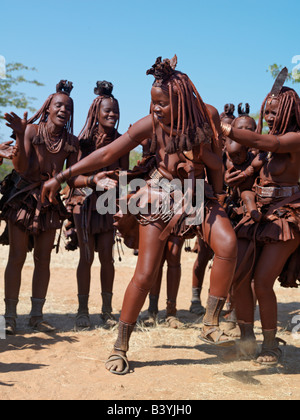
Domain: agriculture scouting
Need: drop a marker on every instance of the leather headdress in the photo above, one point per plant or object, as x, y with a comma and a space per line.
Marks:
64, 86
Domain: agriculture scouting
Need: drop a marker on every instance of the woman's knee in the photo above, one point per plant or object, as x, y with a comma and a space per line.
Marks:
262, 288
144, 281
42, 260
17, 258
106, 257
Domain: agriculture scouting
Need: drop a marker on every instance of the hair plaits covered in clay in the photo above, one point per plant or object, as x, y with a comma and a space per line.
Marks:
41, 116
162, 70
288, 108
193, 124
103, 90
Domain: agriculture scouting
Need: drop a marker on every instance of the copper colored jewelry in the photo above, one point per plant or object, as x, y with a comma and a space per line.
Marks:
226, 129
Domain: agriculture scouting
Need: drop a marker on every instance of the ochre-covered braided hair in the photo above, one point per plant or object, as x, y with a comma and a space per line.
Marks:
194, 124
41, 115
103, 90
289, 107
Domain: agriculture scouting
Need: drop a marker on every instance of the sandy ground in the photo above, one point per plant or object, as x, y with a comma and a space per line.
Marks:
167, 364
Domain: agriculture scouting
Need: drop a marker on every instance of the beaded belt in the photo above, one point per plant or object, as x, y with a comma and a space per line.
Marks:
161, 181
276, 192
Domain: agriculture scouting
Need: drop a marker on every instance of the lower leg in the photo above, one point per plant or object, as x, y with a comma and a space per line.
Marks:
150, 319
173, 283
18, 247
151, 250
204, 256
269, 266
10, 315
83, 274
43, 246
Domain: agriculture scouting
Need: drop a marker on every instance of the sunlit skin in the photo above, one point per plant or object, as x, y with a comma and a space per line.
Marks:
34, 162
237, 153
271, 112
142, 130
216, 227
281, 169
109, 115
59, 113
107, 120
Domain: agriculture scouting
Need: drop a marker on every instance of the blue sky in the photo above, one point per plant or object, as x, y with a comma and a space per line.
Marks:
225, 47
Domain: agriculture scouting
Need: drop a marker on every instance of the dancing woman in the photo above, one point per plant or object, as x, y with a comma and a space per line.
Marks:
267, 247
44, 143
179, 123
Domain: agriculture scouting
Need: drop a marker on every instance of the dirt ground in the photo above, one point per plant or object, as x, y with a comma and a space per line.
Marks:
167, 364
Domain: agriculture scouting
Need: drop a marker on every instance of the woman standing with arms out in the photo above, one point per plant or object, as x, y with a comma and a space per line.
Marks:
179, 123
44, 143
267, 246
96, 232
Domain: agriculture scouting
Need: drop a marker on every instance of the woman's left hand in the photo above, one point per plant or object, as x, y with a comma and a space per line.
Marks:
103, 181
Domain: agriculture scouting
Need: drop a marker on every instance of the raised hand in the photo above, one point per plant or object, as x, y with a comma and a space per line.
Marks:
17, 124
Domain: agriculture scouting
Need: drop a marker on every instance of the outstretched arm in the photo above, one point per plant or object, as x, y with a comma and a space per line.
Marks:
102, 157
287, 143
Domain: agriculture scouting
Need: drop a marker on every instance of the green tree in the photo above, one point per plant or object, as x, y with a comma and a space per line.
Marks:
265, 128
5, 169
134, 157
10, 95
275, 69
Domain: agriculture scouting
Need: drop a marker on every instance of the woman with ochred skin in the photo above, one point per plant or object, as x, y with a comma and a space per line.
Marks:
269, 245
44, 143
96, 232
185, 140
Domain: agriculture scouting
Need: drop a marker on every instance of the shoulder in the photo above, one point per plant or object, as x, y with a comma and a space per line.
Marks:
72, 144
32, 130
142, 128
215, 116
213, 111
